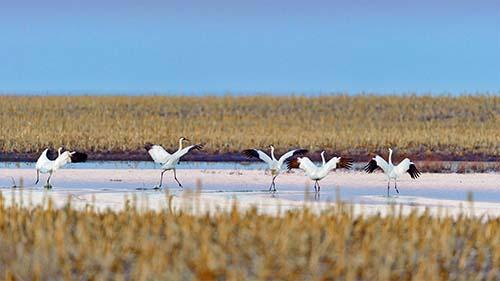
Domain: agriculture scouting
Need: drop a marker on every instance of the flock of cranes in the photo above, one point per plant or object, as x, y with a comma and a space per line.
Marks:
317, 173
49, 162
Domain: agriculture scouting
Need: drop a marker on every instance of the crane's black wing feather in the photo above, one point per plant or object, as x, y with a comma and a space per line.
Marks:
299, 152
292, 163
78, 157
414, 173
196, 147
345, 163
148, 146
52, 154
371, 167
250, 153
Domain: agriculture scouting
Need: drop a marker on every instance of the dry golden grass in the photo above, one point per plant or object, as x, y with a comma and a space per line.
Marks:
456, 125
43, 243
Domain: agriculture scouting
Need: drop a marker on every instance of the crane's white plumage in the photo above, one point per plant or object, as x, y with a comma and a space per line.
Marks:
316, 173
169, 161
48, 162
392, 171
381, 163
159, 154
274, 165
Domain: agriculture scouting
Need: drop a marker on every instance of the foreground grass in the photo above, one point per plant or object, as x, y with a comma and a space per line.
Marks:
453, 125
43, 243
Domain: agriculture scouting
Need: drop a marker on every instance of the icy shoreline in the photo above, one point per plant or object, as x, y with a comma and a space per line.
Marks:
208, 190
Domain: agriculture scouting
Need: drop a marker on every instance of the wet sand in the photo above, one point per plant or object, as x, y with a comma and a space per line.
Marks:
210, 189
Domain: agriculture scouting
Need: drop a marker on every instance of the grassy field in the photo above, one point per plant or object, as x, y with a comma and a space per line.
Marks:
359, 124
43, 243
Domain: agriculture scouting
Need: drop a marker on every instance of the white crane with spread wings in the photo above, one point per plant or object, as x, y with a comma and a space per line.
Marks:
317, 173
49, 162
169, 161
274, 165
392, 171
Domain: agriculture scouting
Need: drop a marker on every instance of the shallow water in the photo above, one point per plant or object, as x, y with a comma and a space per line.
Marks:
445, 166
239, 180
109, 186
366, 195
190, 165
183, 165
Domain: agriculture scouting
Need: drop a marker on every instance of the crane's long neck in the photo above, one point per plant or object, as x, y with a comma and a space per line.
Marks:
390, 156
272, 153
180, 143
323, 157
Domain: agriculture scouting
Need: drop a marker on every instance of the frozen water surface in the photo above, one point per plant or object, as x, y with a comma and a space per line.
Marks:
219, 184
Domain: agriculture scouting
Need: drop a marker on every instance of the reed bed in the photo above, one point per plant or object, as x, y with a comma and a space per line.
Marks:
45, 243
343, 124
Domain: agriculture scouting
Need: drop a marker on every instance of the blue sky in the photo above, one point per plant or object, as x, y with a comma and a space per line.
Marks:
249, 46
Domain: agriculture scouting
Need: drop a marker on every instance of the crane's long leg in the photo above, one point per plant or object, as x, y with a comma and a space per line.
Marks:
273, 184
319, 187
37, 176
396, 186
388, 186
48, 185
161, 180
175, 177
